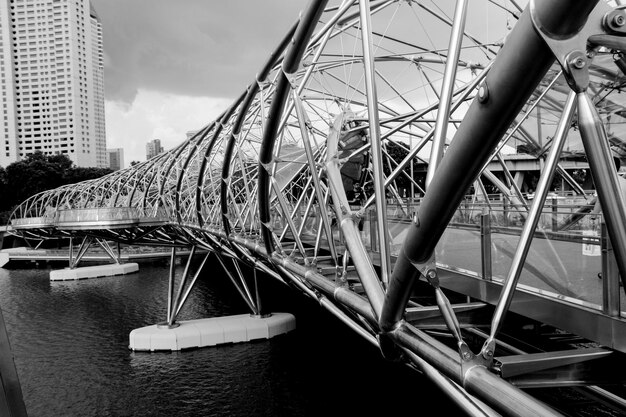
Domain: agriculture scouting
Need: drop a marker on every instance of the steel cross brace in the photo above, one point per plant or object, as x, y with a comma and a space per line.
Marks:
574, 48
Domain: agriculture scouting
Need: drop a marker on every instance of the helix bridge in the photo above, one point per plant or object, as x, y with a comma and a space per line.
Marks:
510, 305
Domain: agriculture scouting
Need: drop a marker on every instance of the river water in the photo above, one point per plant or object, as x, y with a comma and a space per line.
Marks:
70, 343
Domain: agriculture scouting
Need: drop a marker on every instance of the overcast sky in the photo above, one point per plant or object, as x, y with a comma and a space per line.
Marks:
172, 66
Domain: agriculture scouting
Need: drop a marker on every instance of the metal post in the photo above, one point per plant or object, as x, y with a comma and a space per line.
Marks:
443, 113
555, 212
257, 295
412, 169
170, 289
505, 209
374, 127
373, 229
183, 280
71, 253
610, 276
485, 244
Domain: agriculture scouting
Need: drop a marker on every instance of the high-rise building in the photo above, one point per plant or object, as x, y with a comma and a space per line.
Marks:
52, 81
116, 158
153, 148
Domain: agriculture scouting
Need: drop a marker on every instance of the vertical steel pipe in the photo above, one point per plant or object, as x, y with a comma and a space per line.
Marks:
170, 287
485, 245
71, 253
375, 140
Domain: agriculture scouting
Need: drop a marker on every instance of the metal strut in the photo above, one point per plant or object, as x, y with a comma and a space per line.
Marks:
240, 285
574, 48
175, 304
82, 249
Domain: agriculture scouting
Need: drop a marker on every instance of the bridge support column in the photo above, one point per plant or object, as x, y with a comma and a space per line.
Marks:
254, 303
97, 271
82, 249
186, 334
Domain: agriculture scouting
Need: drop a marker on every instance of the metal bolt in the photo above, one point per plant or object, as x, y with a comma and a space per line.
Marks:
483, 93
618, 20
578, 62
432, 274
467, 355
488, 352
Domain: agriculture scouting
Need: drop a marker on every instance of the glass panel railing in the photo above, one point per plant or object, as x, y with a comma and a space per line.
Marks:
564, 260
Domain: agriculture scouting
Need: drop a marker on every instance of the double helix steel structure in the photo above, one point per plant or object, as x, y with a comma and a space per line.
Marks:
365, 97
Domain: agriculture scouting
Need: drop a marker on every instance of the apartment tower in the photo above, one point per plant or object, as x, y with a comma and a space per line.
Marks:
116, 158
52, 81
153, 148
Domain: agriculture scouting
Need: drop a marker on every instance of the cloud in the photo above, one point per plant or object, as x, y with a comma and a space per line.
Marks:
172, 66
157, 115
189, 47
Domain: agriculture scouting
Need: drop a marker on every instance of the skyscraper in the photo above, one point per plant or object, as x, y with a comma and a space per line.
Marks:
153, 148
52, 81
116, 158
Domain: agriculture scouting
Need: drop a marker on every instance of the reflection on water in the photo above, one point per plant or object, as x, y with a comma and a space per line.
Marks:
70, 342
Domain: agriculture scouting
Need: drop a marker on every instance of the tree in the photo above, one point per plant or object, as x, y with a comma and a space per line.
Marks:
35, 173
38, 172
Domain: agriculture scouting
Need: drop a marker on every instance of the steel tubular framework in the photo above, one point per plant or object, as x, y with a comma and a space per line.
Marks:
451, 87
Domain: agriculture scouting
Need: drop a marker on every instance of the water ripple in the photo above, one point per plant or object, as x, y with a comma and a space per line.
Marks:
70, 342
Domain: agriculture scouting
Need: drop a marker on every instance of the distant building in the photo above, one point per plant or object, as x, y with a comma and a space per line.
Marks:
191, 133
52, 81
116, 158
153, 148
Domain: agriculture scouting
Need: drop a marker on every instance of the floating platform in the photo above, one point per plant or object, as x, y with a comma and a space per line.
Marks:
210, 332
96, 271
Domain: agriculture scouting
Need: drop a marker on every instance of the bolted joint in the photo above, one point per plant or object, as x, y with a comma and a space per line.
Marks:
488, 350
483, 93
615, 21
433, 279
577, 70
578, 62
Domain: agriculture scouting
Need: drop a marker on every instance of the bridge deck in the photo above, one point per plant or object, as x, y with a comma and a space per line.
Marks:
559, 284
